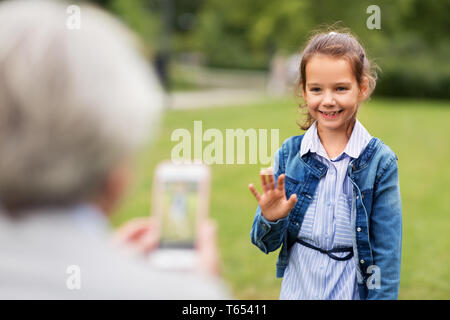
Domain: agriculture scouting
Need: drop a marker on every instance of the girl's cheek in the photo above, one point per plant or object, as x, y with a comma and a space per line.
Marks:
353, 97
313, 107
347, 100
313, 101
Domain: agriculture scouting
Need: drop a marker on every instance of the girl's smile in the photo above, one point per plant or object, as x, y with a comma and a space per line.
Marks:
330, 115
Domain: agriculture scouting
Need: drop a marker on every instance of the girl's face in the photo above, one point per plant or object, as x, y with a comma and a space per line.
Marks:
331, 92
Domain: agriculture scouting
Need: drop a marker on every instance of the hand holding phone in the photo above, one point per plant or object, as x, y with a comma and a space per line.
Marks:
140, 235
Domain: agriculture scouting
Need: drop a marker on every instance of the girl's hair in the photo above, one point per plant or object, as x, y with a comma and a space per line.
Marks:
340, 44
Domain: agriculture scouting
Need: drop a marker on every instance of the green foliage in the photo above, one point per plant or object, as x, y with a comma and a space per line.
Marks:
409, 68
412, 47
139, 16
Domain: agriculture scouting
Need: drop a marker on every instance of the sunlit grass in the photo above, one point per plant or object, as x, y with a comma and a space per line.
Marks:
417, 131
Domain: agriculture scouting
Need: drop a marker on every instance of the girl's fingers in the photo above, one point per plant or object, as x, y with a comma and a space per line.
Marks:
271, 182
280, 182
255, 193
263, 180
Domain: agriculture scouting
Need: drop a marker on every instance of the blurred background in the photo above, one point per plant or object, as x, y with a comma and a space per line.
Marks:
231, 63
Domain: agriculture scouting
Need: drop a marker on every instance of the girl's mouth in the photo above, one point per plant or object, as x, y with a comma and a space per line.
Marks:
330, 115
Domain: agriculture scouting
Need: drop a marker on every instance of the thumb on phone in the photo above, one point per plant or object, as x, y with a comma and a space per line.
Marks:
207, 247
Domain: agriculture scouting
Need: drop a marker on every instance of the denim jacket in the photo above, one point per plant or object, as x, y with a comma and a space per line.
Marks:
376, 214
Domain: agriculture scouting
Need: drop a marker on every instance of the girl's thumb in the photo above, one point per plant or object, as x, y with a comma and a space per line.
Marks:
292, 201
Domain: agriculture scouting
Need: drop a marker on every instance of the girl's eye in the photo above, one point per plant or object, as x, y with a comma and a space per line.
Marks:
315, 89
342, 89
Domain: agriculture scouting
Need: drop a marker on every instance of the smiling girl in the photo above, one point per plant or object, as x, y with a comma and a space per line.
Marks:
332, 201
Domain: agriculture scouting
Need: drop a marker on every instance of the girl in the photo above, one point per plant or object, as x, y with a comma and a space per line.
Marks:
332, 201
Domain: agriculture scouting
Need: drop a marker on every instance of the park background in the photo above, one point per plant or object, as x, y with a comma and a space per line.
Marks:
216, 58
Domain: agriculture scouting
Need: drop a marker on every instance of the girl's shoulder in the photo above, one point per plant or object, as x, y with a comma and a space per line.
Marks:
292, 143
382, 150
376, 159
287, 152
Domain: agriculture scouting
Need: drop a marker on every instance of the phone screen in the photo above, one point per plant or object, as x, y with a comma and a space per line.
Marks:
180, 201
179, 208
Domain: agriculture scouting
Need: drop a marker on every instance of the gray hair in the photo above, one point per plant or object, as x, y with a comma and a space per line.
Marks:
73, 103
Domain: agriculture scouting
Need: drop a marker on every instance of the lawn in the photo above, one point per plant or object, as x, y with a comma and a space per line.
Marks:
417, 130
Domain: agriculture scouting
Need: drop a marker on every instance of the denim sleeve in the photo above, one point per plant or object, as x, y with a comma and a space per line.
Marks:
267, 235
386, 232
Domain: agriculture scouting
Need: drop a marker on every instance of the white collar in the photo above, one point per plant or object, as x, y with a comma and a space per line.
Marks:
359, 139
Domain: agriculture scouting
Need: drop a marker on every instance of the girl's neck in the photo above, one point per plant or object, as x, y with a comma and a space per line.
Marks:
335, 141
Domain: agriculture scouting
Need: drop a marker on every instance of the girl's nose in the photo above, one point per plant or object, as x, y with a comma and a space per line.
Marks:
328, 98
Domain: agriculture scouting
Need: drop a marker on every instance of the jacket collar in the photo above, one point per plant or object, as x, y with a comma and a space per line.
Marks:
319, 169
366, 155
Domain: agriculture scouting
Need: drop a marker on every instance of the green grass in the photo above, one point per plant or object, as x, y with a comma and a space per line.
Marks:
419, 133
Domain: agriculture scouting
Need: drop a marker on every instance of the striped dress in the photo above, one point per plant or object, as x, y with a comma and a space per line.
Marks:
311, 274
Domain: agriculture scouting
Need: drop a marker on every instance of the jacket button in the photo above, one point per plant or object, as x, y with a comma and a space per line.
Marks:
358, 229
362, 261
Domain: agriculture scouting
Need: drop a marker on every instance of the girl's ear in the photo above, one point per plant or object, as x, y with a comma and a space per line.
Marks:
302, 89
364, 89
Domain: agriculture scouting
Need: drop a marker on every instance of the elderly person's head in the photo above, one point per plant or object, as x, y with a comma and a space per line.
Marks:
74, 105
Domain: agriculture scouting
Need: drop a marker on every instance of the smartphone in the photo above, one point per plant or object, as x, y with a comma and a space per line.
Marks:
180, 200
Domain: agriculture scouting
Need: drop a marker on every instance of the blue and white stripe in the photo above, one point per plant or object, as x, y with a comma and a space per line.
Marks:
311, 274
